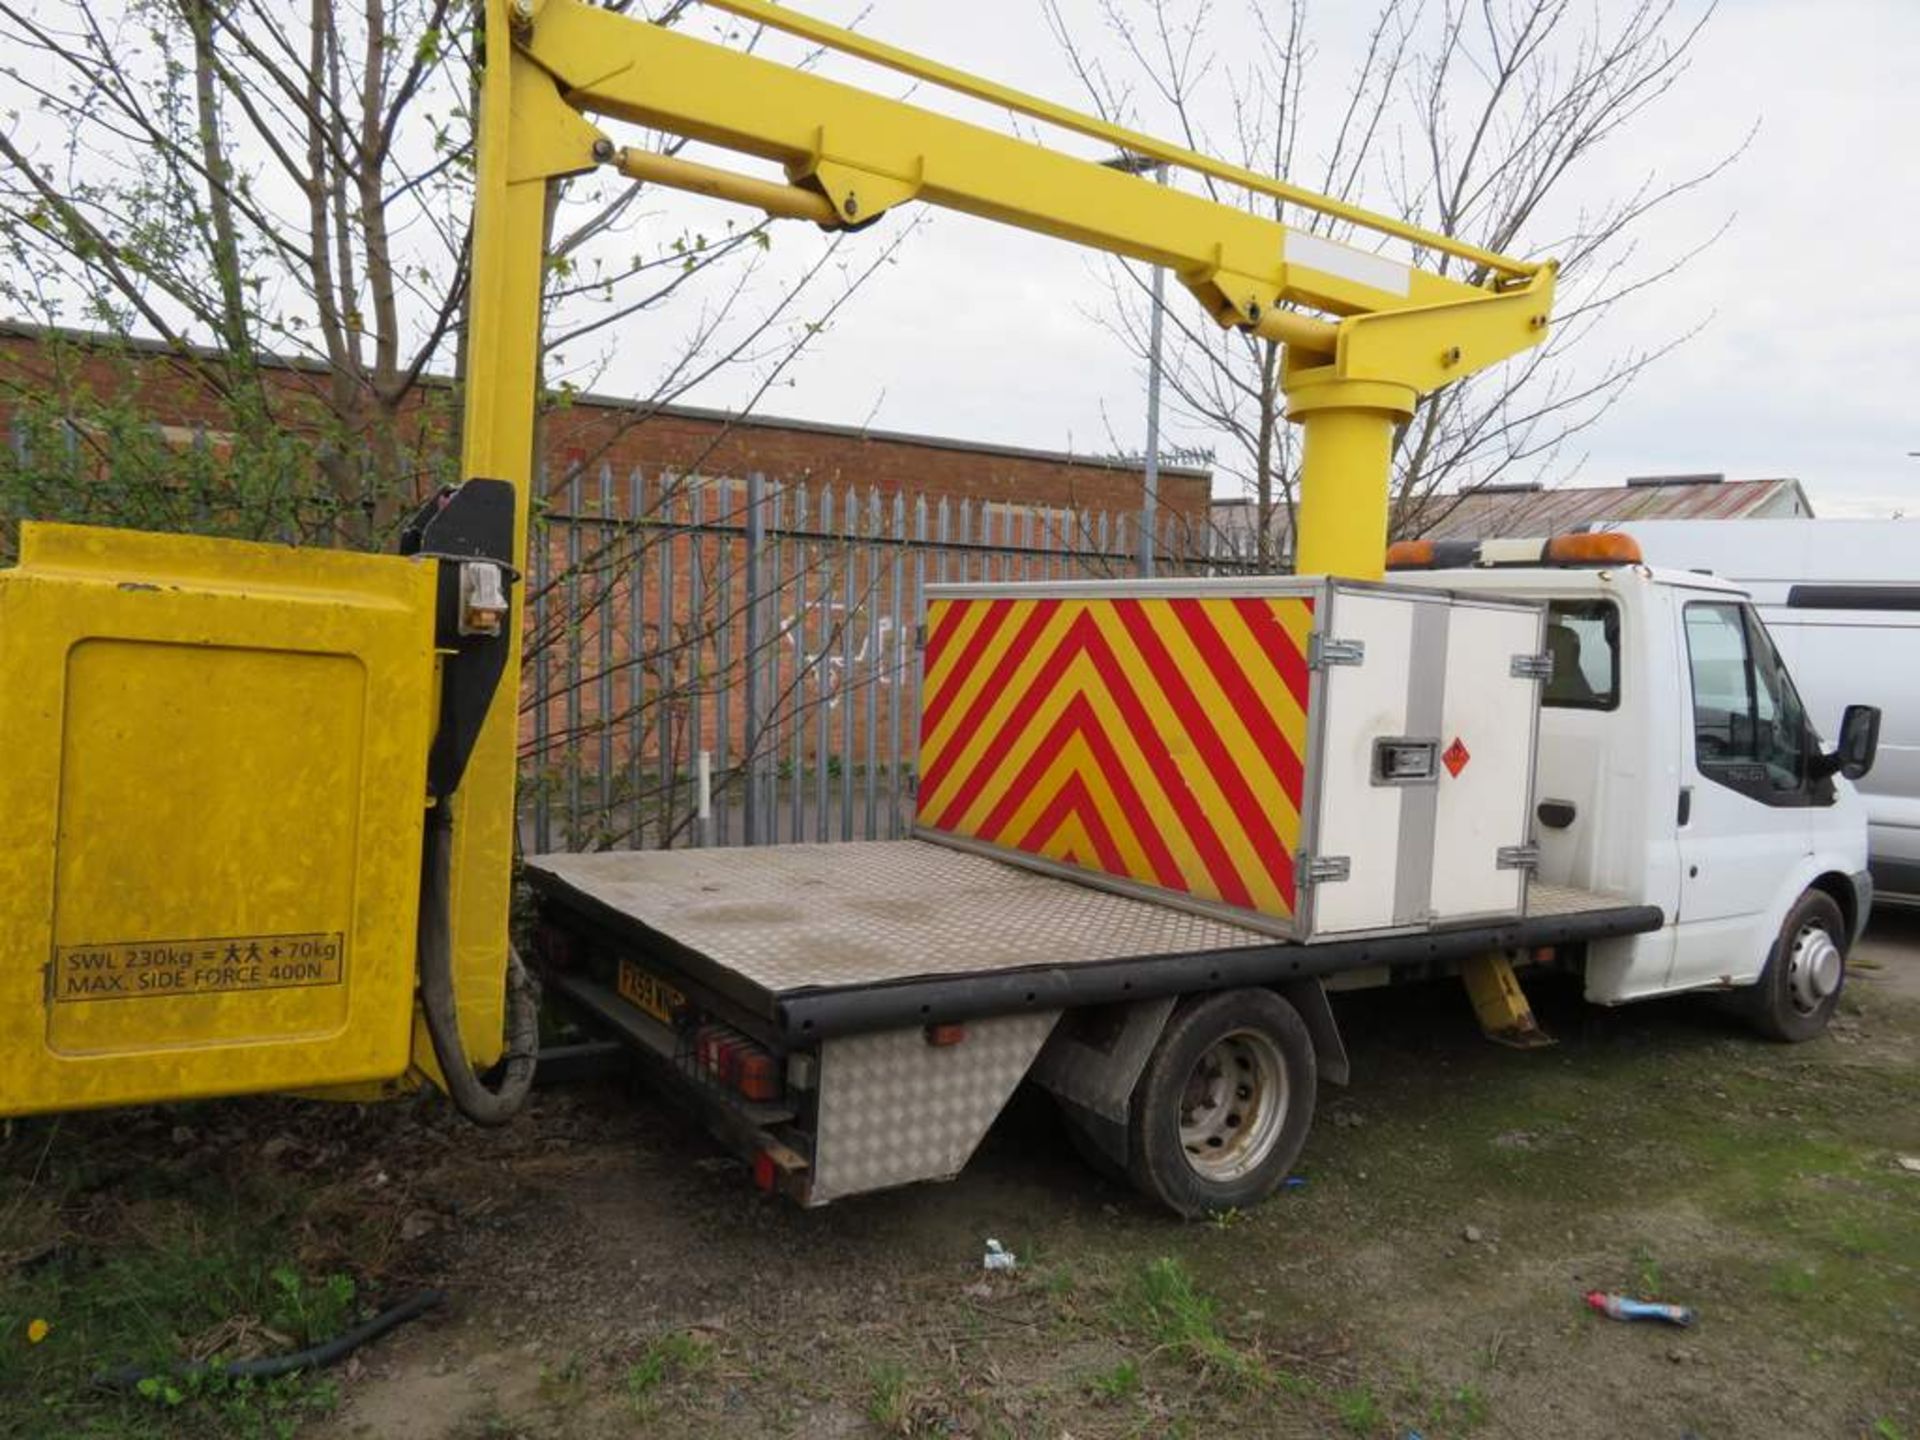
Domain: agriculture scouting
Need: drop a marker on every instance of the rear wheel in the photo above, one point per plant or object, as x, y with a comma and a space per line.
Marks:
1800, 988
1225, 1103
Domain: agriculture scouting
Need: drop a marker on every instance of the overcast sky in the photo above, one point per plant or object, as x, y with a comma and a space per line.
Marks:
1807, 365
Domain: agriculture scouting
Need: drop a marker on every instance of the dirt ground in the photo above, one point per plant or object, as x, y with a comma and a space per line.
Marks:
609, 1272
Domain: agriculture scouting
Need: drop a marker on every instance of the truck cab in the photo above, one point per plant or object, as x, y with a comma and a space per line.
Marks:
1677, 767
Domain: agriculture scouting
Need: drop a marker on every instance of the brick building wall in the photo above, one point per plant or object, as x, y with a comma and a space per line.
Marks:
589, 430
681, 439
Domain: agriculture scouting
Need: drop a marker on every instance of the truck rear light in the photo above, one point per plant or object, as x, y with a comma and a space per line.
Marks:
754, 1075
729, 1058
764, 1174
946, 1034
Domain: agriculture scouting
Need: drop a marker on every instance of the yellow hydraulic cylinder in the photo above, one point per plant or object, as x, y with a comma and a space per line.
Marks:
1346, 463
787, 202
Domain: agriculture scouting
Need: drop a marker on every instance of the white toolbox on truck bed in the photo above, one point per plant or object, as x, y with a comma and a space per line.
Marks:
1311, 757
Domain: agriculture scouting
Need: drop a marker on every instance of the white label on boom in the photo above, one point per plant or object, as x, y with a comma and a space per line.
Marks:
1333, 258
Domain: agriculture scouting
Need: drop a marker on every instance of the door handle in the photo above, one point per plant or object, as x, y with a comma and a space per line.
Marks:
1686, 804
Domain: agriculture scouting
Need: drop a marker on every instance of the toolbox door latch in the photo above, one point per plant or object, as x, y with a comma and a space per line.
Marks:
1322, 869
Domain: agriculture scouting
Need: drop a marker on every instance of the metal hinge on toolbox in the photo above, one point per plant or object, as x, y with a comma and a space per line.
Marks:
1517, 857
1322, 869
1532, 667
1323, 651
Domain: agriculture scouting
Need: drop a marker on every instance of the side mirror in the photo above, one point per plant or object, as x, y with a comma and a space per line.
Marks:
1859, 742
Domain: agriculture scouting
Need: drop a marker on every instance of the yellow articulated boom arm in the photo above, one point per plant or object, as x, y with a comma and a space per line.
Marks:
1366, 334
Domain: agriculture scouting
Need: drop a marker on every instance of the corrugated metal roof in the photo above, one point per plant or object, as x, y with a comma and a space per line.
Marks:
1527, 511
1482, 513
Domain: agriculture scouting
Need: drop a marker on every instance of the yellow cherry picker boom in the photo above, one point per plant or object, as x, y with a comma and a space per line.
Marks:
262, 800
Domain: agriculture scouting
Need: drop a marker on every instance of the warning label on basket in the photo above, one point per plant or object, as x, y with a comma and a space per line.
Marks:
156, 969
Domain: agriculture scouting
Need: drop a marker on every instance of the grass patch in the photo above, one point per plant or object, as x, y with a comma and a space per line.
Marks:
1782, 1149
889, 1396
564, 1385
1468, 1406
1161, 1302
673, 1356
1059, 1281
133, 1241
1120, 1383
249, 1408
1359, 1411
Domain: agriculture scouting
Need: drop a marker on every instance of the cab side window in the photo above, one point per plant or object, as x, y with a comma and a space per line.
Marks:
1583, 637
1750, 730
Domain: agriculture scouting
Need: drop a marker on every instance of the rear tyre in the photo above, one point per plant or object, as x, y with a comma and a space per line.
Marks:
1224, 1105
1800, 988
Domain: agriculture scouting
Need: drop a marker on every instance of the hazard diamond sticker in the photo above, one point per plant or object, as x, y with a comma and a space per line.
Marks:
1455, 757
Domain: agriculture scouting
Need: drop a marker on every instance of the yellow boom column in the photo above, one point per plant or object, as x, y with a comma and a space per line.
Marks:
527, 136
1341, 514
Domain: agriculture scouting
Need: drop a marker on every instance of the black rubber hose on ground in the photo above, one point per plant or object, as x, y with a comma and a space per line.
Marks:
469, 1094
268, 1367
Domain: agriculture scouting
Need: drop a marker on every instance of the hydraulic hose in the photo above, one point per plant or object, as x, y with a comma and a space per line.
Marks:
267, 1367
470, 1095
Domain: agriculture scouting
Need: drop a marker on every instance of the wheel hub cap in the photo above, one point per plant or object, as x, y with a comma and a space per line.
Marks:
1813, 969
1234, 1105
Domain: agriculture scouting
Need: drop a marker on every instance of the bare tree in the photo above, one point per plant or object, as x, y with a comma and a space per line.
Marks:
1481, 121
248, 191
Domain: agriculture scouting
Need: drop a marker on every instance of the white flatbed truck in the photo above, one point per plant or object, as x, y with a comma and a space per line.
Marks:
860, 1024
851, 1017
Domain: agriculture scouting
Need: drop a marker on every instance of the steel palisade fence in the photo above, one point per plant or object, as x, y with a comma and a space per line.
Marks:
728, 661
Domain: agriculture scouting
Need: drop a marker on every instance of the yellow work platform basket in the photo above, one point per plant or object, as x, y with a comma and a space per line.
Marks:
212, 761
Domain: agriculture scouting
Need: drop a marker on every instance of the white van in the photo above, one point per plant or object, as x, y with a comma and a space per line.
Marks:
1842, 600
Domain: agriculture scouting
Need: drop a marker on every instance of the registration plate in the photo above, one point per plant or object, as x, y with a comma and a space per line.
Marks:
649, 992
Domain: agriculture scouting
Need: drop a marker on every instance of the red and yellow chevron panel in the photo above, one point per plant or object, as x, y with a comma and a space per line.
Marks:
1156, 739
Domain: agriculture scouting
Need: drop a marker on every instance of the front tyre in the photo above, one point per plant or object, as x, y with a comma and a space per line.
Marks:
1800, 988
1223, 1107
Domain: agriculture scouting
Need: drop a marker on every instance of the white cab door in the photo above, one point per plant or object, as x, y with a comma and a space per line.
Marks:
1746, 795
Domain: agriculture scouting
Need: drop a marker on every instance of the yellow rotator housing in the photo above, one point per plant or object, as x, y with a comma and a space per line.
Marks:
211, 771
